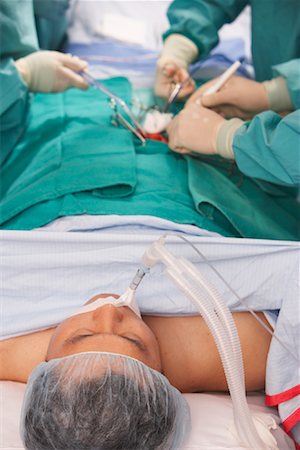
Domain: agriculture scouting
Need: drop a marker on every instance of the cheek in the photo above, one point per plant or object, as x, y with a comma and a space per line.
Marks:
153, 349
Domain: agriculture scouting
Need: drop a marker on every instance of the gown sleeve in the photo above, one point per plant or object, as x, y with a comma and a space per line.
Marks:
14, 105
200, 20
268, 147
26, 26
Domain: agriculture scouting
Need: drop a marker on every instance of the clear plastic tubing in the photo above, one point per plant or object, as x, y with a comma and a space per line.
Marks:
220, 323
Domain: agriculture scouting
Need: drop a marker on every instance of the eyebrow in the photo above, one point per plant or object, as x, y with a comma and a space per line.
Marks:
79, 337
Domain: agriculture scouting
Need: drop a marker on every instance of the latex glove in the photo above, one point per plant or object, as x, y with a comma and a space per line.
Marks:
195, 129
168, 74
49, 71
178, 52
239, 97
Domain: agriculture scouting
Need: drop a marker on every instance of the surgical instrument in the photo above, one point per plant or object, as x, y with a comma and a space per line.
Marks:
136, 128
222, 79
211, 90
178, 88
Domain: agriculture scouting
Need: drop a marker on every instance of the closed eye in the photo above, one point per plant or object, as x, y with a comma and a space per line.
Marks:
78, 337
138, 343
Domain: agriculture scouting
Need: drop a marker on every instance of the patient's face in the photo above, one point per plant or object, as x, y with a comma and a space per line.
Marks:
106, 329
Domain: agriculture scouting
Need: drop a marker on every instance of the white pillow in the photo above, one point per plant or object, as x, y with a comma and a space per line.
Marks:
212, 420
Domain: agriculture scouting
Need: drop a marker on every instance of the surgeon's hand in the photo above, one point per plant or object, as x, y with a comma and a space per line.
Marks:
168, 73
50, 71
177, 54
195, 129
239, 97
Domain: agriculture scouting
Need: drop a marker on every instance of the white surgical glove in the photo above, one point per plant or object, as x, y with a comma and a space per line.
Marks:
240, 97
50, 71
178, 52
194, 129
201, 130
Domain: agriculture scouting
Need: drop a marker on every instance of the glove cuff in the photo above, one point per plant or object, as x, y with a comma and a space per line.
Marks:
278, 95
180, 49
23, 70
38, 70
225, 137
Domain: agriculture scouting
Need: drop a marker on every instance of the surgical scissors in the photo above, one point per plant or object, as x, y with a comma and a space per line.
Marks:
177, 89
136, 128
221, 80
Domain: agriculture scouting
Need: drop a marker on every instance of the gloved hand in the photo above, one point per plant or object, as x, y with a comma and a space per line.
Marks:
178, 52
239, 97
49, 71
195, 129
168, 74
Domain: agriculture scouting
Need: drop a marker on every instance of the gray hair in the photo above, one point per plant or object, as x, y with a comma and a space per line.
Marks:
95, 401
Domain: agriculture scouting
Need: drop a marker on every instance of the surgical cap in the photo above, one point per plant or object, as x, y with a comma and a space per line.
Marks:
98, 400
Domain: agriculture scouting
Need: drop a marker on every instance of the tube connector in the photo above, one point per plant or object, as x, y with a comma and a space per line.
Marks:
141, 272
153, 254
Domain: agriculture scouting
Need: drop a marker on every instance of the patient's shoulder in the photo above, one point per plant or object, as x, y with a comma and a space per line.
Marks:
190, 357
19, 355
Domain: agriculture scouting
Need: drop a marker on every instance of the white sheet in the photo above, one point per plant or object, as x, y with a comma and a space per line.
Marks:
53, 273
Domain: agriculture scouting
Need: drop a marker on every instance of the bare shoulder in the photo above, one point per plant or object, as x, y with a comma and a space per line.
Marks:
19, 355
190, 357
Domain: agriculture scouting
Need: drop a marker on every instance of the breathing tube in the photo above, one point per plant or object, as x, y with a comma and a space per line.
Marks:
220, 323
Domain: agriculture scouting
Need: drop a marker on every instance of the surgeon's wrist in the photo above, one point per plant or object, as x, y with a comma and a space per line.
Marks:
23, 70
278, 95
178, 49
225, 137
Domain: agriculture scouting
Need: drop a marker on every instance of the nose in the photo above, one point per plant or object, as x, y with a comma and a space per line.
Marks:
107, 318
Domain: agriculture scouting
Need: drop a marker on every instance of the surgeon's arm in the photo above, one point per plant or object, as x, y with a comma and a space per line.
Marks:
290, 73
200, 20
14, 103
192, 34
268, 147
41, 71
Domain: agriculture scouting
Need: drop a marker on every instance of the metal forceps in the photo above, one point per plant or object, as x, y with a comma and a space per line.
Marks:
135, 127
177, 89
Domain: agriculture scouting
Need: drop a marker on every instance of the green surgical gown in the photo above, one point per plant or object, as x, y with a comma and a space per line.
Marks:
275, 28
268, 147
71, 160
25, 26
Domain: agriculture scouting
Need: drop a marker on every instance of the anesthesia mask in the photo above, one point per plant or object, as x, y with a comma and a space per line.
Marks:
126, 299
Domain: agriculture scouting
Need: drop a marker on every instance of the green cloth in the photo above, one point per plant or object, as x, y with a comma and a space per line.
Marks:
254, 209
72, 160
69, 147
25, 27
275, 28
